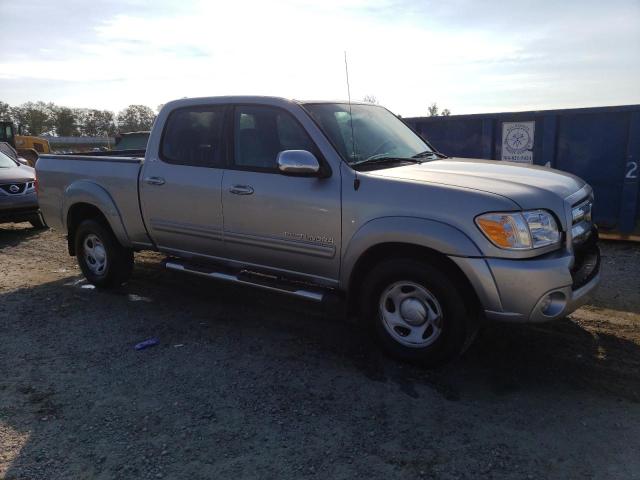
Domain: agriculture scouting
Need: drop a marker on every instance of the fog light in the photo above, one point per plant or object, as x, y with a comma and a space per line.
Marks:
545, 304
552, 304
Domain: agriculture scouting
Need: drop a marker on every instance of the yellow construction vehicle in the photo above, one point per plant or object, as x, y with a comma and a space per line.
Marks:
27, 146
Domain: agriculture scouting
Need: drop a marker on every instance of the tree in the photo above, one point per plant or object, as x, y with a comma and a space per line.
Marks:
5, 111
81, 115
434, 111
35, 118
135, 118
96, 123
66, 122
370, 99
105, 121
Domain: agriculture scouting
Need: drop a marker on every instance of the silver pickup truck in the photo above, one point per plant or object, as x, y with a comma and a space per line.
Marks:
325, 199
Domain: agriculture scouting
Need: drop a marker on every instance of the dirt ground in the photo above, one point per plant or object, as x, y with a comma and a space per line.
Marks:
246, 384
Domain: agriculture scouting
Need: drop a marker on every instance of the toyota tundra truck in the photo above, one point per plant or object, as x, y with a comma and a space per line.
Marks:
333, 200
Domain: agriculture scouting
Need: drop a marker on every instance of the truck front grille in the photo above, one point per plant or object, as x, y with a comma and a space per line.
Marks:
587, 260
582, 224
14, 188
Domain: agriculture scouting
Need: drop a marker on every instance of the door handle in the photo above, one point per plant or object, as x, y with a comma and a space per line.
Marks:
154, 180
241, 190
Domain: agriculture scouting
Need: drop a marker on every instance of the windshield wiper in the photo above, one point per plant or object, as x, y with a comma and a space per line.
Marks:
428, 153
382, 160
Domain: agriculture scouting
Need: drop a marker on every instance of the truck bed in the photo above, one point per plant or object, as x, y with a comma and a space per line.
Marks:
137, 153
114, 178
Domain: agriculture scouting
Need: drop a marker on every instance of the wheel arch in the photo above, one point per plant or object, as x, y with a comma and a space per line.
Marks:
422, 239
83, 200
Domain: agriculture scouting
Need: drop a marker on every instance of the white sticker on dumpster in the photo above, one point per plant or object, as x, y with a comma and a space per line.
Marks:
517, 141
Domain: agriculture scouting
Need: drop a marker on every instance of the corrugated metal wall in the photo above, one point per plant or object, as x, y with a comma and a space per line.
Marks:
601, 145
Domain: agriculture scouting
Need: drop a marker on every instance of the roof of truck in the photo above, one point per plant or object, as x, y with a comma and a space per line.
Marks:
332, 101
258, 98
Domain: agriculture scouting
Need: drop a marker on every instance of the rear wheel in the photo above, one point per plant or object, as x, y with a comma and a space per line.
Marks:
416, 311
103, 261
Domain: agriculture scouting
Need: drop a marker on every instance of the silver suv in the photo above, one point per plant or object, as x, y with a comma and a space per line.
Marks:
18, 201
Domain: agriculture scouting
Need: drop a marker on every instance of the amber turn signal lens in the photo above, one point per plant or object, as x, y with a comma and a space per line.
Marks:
505, 230
495, 231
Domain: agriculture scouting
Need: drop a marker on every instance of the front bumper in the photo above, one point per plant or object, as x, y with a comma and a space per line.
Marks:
535, 290
18, 208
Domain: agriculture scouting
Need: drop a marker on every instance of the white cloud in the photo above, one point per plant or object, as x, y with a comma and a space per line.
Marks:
400, 51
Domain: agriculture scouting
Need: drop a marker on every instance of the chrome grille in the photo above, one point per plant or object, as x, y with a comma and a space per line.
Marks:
582, 224
14, 188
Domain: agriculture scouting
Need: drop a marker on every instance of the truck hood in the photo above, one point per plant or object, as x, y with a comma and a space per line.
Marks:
16, 174
526, 185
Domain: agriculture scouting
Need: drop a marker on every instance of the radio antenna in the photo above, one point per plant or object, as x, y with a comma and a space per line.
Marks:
353, 138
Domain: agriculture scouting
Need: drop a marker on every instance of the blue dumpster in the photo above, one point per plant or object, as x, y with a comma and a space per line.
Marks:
600, 145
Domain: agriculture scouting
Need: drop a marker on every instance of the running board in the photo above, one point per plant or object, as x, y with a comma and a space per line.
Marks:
252, 279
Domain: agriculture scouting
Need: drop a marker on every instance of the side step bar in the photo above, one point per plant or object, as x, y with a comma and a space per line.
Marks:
252, 279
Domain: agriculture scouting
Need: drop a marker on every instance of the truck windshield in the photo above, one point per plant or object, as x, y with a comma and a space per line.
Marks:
377, 133
6, 162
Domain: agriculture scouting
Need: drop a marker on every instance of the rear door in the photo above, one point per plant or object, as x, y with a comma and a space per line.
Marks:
180, 187
270, 219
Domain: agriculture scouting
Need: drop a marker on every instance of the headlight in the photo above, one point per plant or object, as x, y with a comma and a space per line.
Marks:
520, 231
543, 228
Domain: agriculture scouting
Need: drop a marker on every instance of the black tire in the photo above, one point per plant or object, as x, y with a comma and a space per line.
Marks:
37, 222
119, 260
458, 320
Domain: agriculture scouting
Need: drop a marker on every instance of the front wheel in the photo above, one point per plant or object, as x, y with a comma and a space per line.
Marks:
103, 261
37, 221
416, 311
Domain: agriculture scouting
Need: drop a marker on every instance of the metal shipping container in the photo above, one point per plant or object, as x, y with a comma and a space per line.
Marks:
601, 145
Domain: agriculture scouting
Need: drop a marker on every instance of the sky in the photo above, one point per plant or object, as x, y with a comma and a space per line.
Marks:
466, 55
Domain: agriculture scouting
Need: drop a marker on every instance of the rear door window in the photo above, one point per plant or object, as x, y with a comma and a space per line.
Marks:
193, 136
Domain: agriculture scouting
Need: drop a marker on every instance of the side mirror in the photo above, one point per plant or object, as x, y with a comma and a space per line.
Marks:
298, 162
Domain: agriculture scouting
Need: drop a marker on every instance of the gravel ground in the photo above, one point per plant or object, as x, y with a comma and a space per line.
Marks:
246, 384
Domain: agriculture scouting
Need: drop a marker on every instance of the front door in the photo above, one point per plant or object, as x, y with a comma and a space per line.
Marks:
180, 190
272, 220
